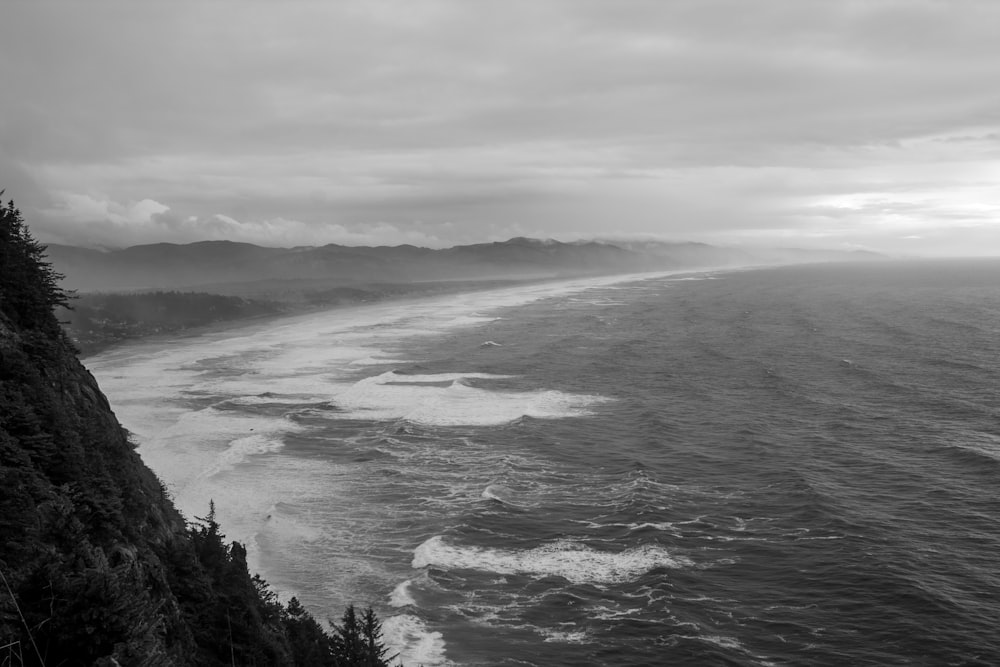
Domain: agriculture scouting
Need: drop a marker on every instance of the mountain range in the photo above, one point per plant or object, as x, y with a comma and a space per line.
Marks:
216, 265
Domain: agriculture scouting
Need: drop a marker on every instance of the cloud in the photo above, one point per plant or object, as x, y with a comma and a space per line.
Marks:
76, 207
568, 117
110, 224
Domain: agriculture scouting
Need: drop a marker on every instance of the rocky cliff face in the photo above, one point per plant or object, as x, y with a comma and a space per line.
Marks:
87, 530
98, 567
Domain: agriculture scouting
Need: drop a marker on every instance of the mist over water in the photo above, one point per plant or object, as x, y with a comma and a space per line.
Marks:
782, 466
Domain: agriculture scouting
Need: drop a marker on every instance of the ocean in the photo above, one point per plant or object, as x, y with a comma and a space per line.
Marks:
777, 466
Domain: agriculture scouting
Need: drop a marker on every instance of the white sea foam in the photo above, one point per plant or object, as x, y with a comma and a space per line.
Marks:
201, 443
719, 640
665, 526
564, 637
380, 361
498, 492
288, 528
577, 563
264, 506
614, 613
445, 400
399, 378
408, 636
239, 450
401, 595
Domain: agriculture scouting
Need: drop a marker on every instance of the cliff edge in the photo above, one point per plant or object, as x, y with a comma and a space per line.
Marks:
98, 567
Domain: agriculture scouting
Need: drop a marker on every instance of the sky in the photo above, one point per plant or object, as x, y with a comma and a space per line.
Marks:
812, 123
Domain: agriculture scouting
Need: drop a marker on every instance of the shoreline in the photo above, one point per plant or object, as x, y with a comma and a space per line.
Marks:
404, 293
396, 292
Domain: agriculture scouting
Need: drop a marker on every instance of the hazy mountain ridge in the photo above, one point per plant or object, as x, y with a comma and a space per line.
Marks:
172, 266
133, 292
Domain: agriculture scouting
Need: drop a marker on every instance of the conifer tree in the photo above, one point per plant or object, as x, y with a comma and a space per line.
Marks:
357, 642
29, 286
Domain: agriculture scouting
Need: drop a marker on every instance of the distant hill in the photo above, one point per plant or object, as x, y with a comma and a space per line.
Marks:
211, 264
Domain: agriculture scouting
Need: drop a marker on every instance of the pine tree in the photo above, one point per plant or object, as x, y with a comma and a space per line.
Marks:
371, 631
357, 642
29, 286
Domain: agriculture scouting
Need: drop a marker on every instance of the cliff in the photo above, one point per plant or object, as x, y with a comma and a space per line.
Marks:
98, 567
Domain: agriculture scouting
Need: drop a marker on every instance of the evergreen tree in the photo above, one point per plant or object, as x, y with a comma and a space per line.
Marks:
357, 642
310, 645
29, 286
371, 632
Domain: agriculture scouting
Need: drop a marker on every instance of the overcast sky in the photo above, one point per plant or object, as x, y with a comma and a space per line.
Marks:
789, 122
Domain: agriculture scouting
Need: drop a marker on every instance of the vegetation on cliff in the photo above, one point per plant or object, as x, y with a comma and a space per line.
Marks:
98, 567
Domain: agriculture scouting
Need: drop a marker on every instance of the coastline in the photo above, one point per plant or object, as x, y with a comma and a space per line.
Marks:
209, 411
378, 294
381, 294
150, 381
296, 303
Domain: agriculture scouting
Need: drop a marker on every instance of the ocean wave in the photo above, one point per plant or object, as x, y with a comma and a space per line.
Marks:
415, 644
402, 596
577, 563
379, 361
981, 461
199, 444
212, 425
445, 399
241, 448
631, 526
500, 493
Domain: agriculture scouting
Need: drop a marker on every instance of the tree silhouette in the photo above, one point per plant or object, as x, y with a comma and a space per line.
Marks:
29, 286
357, 642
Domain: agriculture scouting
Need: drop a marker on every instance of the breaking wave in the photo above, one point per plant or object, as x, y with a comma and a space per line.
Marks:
447, 400
577, 563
